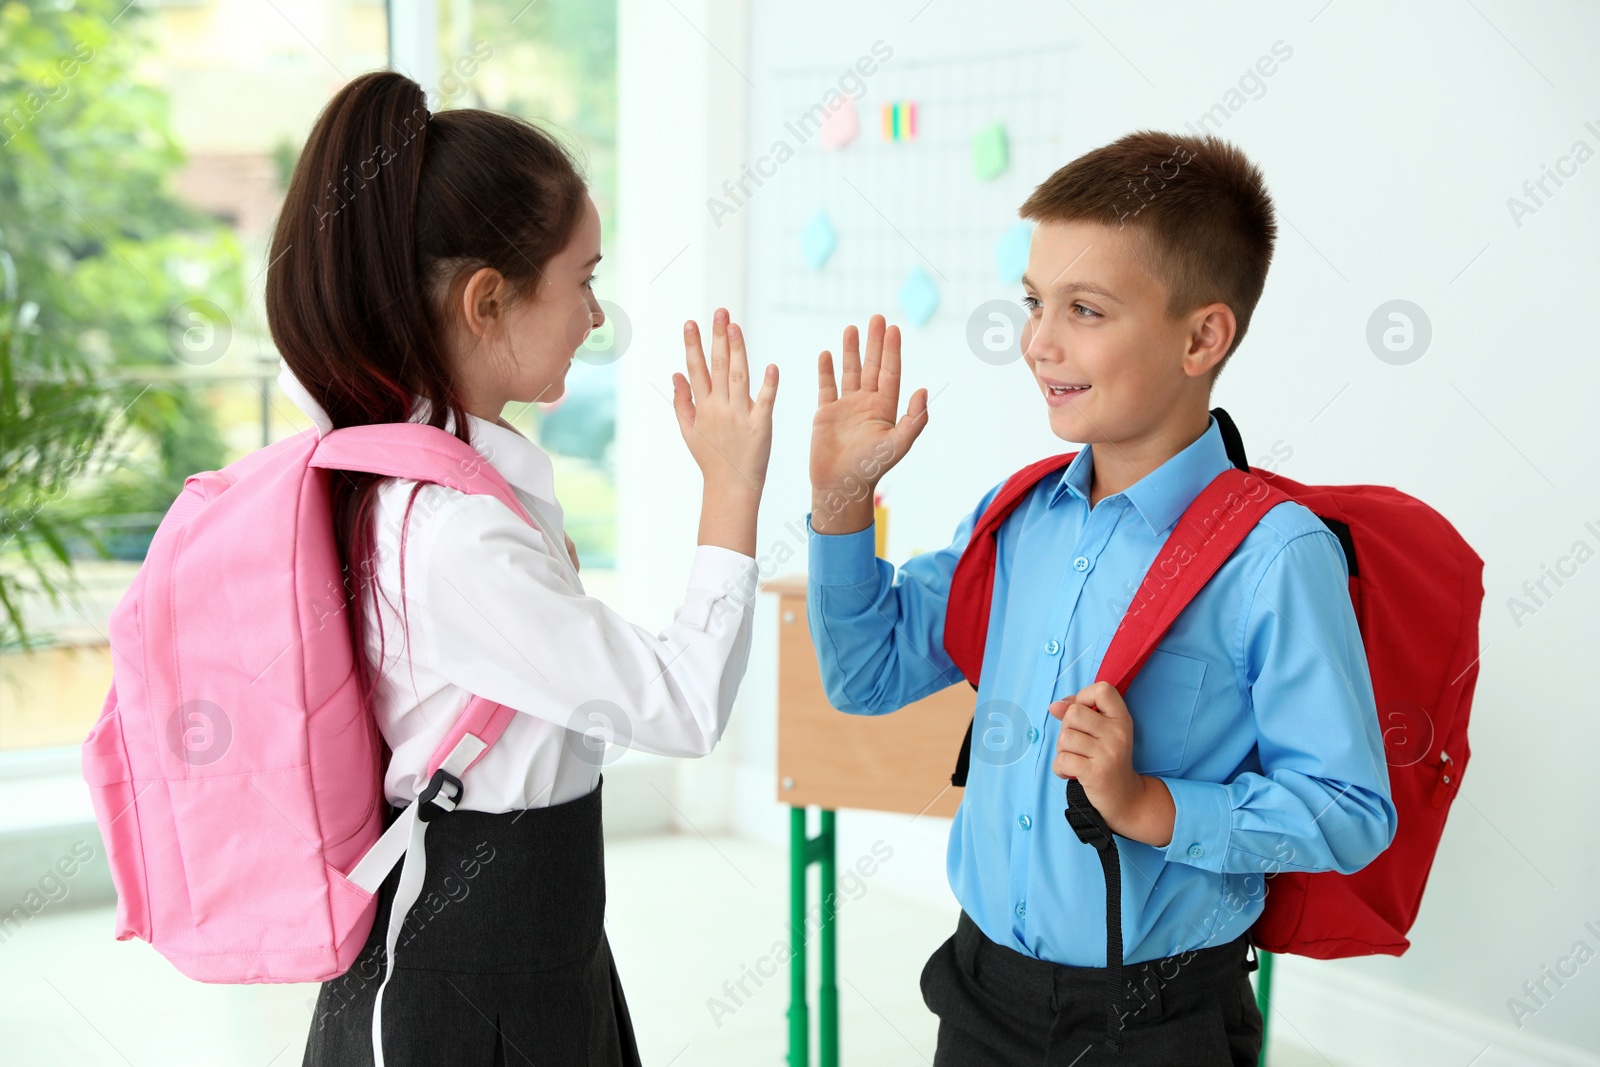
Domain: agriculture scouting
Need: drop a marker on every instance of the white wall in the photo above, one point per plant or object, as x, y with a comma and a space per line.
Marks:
1391, 139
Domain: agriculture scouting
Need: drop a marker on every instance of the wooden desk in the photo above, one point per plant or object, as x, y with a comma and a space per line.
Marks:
901, 761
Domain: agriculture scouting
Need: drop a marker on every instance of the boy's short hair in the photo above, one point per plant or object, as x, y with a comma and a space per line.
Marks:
1202, 221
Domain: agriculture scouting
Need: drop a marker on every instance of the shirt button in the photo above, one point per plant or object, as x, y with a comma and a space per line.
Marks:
1052, 646
1081, 563
1196, 851
1022, 909
1024, 822
1033, 734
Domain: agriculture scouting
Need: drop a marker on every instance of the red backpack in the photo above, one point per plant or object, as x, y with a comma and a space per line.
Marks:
1417, 589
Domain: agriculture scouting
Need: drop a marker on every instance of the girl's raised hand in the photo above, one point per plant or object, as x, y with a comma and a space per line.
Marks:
728, 434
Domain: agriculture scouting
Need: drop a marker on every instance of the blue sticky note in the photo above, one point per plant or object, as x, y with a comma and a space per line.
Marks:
817, 240
1011, 253
919, 298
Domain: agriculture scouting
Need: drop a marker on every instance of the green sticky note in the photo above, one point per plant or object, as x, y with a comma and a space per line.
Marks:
989, 153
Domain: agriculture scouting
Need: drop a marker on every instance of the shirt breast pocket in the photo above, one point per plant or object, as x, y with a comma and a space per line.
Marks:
1162, 700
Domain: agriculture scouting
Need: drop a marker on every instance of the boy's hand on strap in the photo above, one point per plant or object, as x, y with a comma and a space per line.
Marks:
1096, 747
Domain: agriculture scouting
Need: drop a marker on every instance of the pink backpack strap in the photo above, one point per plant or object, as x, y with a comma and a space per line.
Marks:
428, 454
417, 451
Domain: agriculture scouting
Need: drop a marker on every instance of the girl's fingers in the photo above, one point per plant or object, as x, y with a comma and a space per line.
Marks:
719, 353
869, 368
852, 359
769, 391
738, 364
827, 390
682, 403
698, 379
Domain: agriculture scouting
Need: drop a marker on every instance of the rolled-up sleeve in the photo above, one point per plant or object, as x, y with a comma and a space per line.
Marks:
1321, 799
507, 625
878, 631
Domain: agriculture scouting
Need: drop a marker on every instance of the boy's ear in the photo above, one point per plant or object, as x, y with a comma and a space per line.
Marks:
1212, 330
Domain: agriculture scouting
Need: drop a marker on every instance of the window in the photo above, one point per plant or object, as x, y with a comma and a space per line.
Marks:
144, 153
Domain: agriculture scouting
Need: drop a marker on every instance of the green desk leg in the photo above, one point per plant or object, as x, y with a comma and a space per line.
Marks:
803, 852
1264, 998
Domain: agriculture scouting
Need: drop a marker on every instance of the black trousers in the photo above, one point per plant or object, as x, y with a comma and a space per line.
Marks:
503, 959
1000, 1008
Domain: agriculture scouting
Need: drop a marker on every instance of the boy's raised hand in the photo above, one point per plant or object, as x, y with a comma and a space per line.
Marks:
855, 437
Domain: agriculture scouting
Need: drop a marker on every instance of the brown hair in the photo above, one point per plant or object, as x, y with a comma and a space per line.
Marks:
1198, 209
387, 215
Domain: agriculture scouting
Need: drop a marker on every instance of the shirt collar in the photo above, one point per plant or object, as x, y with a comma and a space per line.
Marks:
521, 462
1162, 495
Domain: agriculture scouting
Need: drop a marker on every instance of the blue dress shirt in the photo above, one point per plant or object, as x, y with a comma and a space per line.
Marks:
1256, 708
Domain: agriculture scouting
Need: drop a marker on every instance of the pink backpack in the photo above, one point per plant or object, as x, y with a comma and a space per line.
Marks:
236, 775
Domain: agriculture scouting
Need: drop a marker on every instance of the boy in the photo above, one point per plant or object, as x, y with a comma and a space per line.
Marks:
1247, 744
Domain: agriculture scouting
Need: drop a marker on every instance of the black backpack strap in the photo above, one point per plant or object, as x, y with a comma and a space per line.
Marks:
1091, 829
964, 760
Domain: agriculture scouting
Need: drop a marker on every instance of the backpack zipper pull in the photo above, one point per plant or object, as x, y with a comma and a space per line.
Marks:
1446, 780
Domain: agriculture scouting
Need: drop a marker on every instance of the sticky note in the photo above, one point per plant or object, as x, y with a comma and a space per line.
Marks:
1011, 253
899, 120
919, 298
840, 126
817, 240
989, 152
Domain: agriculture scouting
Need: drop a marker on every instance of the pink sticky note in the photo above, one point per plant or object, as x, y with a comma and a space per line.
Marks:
840, 127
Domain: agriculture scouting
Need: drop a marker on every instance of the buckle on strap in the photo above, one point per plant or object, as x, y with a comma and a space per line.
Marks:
430, 804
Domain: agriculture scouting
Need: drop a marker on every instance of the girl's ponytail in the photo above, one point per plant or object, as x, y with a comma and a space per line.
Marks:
344, 295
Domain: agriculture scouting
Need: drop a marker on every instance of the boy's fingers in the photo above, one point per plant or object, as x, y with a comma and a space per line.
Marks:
1076, 743
912, 422
1104, 698
1069, 765
719, 353
852, 360
869, 366
827, 389
888, 376
1082, 719
698, 378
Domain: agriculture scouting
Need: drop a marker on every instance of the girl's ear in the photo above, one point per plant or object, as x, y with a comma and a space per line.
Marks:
484, 300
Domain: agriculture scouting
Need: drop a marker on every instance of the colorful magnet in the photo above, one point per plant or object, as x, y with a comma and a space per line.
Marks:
899, 121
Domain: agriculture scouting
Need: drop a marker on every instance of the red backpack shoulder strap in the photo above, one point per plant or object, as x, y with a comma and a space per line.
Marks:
966, 621
1214, 524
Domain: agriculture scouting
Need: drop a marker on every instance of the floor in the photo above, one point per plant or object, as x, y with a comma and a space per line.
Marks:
77, 996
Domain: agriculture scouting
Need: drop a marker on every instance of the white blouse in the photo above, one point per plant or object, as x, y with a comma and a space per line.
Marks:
495, 608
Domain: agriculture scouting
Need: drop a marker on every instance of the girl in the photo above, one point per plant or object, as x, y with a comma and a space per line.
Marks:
435, 268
